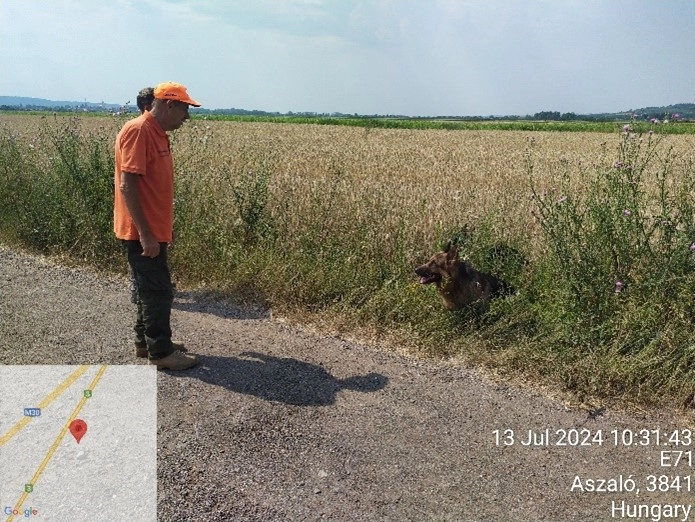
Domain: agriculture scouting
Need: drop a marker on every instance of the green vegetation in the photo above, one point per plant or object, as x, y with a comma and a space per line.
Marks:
56, 191
490, 124
330, 223
422, 124
616, 284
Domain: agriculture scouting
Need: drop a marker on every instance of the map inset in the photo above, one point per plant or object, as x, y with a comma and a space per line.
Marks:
78, 443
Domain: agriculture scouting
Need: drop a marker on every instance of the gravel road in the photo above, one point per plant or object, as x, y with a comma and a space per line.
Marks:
279, 423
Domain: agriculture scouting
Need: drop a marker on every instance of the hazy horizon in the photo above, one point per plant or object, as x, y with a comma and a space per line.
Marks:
132, 105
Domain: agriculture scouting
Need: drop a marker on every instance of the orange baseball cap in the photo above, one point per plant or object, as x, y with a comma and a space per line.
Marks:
174, 91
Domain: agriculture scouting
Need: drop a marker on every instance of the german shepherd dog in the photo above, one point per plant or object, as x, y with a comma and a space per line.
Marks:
459, 284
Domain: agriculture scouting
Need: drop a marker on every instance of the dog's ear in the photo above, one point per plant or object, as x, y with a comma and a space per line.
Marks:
447, 246
452, 253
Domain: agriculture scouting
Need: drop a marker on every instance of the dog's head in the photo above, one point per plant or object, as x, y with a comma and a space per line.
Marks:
440, 266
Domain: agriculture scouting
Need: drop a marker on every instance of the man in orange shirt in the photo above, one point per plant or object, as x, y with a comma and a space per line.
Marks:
144, 218
144, 101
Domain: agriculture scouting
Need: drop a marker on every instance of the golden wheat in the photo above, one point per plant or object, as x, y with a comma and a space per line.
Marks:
429, 181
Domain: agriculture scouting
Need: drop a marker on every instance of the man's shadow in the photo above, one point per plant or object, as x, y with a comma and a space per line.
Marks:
280, 379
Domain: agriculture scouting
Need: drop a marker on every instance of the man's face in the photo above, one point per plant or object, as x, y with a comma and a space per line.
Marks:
177, 113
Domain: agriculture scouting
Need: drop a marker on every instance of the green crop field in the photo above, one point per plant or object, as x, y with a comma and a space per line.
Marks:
466, 124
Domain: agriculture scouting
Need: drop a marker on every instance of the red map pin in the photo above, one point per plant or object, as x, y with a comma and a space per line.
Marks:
78, 428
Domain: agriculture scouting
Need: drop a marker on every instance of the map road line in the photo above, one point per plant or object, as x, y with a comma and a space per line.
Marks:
44, 403
56, 443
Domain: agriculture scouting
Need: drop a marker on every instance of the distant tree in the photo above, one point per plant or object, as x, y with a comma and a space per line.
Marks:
547, 115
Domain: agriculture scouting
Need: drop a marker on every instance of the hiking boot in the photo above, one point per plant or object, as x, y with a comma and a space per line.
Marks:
141, 348
175, 361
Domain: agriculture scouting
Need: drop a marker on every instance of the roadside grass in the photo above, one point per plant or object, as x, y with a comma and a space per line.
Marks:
327, 223
56, 189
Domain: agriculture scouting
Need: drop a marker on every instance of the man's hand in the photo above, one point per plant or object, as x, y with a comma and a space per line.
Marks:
150, 246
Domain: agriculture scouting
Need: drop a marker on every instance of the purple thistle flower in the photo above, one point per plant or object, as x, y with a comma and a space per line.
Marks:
627, 212
627, 128
618, 287
692, 247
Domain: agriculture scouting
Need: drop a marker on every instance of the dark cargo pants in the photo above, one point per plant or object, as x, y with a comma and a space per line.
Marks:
154, 299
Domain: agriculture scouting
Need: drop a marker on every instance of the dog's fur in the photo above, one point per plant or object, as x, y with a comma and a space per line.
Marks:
459, 284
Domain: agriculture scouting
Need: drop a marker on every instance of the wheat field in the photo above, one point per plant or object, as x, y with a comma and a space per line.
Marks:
429, 181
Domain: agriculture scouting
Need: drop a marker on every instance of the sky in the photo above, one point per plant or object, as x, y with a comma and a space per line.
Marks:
400, 57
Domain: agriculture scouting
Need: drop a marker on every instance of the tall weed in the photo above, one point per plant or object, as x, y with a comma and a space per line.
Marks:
59, 190
620, 244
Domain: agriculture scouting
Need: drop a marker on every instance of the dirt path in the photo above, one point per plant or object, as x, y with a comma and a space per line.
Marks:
277, 423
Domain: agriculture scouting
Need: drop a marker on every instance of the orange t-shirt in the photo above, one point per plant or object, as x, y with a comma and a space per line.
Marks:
142, 148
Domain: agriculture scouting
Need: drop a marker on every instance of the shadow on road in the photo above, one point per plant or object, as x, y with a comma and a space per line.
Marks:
280, 379
219, 305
